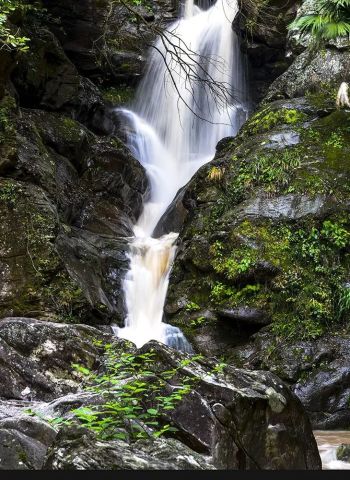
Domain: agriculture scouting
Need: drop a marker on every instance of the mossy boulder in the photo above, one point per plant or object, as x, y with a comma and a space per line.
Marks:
268, 228
343, 453
263, 265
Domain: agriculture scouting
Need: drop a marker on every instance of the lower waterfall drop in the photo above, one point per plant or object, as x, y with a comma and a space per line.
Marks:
173, 130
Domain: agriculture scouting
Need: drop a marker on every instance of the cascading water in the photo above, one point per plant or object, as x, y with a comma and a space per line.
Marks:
173, 129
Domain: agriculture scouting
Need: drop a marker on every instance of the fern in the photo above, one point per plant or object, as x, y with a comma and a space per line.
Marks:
330, 20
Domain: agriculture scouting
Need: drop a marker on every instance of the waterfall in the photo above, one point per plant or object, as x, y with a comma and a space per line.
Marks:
172, 129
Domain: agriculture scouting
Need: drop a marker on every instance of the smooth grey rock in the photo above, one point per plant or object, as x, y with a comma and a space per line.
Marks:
287, 207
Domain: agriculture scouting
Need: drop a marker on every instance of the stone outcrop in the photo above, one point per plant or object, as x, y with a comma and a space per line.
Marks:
231, 419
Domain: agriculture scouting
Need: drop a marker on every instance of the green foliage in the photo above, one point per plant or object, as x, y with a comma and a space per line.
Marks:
198, 322
311, 260
335, 140
136, 399
273, 171
329, 21
9, 191
239, 261
192, 307
7, 130
118, 95
343, 304
10, 38
310, 289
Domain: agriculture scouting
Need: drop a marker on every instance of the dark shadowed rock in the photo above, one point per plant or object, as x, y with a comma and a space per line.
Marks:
245, 315
24, 442
263, 29
103, 40
74, 195
174, 216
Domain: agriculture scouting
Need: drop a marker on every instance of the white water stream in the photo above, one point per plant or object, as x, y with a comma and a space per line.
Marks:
172, 129
328, 442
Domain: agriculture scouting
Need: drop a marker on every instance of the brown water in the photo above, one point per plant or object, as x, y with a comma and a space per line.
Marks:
328, 442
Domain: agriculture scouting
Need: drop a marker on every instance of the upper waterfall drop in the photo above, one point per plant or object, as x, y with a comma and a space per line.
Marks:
173, 129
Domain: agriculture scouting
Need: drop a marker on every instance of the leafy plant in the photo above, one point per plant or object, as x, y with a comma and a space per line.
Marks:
335, 140
197, 322
10, 37
343, 304
136, 398
330, 20
192, 307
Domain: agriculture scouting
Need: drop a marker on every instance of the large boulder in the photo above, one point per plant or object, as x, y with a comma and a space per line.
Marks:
262, 233
317, 71
76, 449
37, 357
231, 419
264, 243
24, 442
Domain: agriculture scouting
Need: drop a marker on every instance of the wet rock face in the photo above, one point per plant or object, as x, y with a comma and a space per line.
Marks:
76, 449
72, 198
102, 38
263, 29
24, 442
251, 419
310, 70
37, 357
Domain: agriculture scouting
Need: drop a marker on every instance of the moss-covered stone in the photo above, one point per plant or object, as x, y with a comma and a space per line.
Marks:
272, 231
120, 95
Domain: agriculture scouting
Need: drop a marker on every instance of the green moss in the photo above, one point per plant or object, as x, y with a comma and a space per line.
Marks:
68, 129
118, 95
7, 128
268, 118
307, 296
324, 97
234, 263
9, 191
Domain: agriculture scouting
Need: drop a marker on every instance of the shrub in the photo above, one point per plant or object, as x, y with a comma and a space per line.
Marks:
330, 20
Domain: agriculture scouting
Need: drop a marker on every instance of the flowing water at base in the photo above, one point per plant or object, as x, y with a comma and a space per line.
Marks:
328, 442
